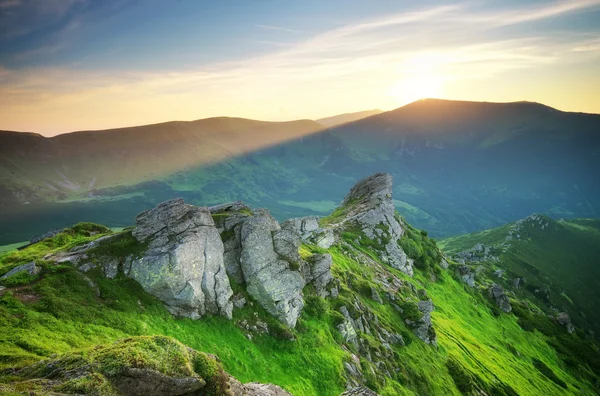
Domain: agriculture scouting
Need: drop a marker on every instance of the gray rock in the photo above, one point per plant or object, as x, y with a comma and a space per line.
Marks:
183, 265
564, 319
142, 381
359, 391
309, 230
467, 275
228, 219
517, 282
269, 278
45, 235
238, 301
497, 293
424, 328
255, 389
375, 296
320, 272
30, 268
444, 263
369, 205
324, 238
286, 243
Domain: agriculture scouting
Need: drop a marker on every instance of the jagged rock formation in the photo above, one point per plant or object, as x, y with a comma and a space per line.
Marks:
369, 207
183, 265
268, 277
497, 293
264, 256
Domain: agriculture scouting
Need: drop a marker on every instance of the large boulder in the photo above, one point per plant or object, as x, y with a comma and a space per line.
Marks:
369, 206
183, 265
274, 282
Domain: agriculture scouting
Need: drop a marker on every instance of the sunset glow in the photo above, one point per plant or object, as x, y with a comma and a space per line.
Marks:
91, 72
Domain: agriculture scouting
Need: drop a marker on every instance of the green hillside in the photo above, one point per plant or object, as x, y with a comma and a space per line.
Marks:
479, 350
559, 261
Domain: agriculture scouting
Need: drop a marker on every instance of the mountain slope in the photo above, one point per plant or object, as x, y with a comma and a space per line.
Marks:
35, 168
370, 323
345, 118
459, 166
556, 262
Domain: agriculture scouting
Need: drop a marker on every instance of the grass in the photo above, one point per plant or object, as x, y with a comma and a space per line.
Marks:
60, 312
559, 258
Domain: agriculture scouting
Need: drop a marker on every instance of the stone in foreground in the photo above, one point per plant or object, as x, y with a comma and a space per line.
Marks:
183, 265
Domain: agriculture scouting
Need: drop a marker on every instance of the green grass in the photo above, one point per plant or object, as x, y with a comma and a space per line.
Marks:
61, 313
561, 258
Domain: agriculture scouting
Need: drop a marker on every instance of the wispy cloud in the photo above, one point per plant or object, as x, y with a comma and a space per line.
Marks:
344, 69
278, 28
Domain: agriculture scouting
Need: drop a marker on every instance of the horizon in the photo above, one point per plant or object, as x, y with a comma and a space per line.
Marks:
78, 65
300, 119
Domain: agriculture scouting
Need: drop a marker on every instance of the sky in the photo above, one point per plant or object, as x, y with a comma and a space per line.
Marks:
69, 65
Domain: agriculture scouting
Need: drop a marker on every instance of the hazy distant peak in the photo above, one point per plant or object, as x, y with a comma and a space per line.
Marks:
347, 117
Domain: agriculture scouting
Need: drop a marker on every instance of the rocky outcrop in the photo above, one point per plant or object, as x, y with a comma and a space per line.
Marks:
497, 293
423, 327
229, 219
320, 273
29, 268
183, 265
369, 206
564, 319
271, 280
309, 230
264, 255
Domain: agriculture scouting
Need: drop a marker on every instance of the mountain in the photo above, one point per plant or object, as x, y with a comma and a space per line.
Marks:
356, 300
35, 168
345, 118
554, 263
460, 167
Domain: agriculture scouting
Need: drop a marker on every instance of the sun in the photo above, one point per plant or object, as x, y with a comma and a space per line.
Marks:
415, 87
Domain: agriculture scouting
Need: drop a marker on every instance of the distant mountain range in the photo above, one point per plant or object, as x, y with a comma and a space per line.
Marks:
346, 118
459, 167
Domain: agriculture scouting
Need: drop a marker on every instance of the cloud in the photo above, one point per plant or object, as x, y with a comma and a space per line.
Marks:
344, 69
278, 28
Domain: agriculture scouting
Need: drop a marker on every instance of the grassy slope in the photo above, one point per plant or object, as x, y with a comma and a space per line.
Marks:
562, 257
60, 311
